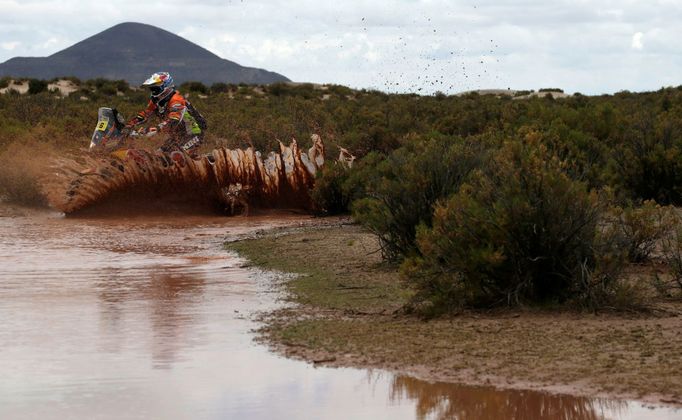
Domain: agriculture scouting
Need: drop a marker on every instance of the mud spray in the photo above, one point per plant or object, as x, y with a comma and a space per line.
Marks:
236, 178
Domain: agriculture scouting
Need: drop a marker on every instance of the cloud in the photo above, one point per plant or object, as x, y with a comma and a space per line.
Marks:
50, 43
637, 41
399, 45
10, 46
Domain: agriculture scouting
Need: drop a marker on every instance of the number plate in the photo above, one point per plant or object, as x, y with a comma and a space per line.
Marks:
102, 125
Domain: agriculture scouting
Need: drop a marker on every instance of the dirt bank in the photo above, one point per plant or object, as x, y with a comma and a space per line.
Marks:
346, 312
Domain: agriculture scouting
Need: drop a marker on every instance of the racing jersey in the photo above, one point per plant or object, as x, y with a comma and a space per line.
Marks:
176, 120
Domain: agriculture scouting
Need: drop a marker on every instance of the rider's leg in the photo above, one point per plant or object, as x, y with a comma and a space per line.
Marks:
191, 146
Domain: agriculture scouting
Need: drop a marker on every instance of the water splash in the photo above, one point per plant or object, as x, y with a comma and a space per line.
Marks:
280, 178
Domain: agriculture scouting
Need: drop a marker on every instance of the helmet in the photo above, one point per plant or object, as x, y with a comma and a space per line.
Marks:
161, 86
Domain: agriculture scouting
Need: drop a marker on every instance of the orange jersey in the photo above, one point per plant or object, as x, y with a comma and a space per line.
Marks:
175, 118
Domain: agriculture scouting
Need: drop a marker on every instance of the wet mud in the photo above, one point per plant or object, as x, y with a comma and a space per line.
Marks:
230, 176
113, 315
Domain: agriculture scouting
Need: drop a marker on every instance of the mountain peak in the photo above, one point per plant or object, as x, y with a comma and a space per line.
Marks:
132, 51
140, 39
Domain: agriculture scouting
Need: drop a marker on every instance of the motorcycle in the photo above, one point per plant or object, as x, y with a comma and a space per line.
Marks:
109, 134
237, 177
112, 137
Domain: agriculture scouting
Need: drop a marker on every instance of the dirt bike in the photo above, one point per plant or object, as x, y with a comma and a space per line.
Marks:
112, 137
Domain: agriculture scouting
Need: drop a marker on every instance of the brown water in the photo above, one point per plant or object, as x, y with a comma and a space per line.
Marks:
125, 318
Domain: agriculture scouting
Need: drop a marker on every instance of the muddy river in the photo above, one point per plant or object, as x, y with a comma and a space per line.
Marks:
148, 317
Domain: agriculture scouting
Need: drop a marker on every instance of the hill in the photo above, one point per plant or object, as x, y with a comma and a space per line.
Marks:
132, 51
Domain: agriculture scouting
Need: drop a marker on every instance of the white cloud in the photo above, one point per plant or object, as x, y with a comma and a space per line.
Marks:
10, 46
50, 43
372, 55
637, 41
401, 45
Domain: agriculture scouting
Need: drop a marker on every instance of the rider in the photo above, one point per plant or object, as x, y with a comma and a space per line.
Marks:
178, 117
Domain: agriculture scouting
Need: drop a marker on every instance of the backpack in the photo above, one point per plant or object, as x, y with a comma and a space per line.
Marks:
201, 121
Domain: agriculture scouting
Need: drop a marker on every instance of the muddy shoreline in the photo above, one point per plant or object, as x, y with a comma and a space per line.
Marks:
345, 311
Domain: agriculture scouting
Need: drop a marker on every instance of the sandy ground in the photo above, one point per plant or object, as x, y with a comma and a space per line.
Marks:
346, 311
511, 93
21, 87
65, 87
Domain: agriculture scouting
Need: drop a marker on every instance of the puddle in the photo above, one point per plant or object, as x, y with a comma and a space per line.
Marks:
149, 318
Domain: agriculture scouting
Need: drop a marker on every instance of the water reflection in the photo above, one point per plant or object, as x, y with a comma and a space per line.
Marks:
448, 401
171, 298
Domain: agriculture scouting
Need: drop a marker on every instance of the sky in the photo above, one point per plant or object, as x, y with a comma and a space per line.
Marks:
416, 46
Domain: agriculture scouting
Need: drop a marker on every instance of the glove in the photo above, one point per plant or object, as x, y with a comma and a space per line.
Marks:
151, 131
137, 120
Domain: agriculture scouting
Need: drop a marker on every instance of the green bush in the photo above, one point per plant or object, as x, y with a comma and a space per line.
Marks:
36, 86
521, 232
101, 86
640, 229
340, 90
279, 89
76, 81
647, 158
108, 89
330, 195
672, 255
197, 87
403, 188
220, 87
122, 85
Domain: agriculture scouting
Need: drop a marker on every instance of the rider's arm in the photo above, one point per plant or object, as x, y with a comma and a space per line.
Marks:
143, 115
176, 111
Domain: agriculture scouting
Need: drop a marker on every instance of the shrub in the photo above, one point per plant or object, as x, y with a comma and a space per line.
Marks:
279, 89
647, 158
522, 232
108, 89
340, 90
403, 188
73, 79
122, 85
36, 86
672, 254
197, 87
329, 195
98, 82
639, 229
220, 88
